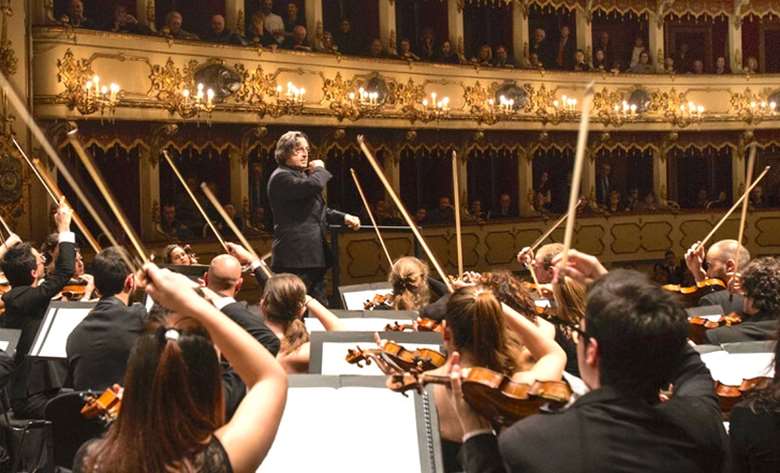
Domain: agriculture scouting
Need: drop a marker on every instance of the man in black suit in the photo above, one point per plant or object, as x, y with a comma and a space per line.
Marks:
632, 344
604, 185
760, 282
224, 281
99, 347
35, 381
300, 215
723, 260
541, 48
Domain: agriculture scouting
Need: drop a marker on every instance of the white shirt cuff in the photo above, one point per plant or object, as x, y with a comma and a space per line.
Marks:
254, 265
474, 433
67, 237
222, 302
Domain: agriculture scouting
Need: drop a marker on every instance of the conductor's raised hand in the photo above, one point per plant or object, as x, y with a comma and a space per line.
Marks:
316, 163
581, 267
352, 222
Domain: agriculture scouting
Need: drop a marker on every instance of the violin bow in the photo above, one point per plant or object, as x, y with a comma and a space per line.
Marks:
456, 202
22, 111
400, 206
371, 216
582, 141
230, 223
93, 171
733, 208
746, 202
5, 226
550, 230
194, 200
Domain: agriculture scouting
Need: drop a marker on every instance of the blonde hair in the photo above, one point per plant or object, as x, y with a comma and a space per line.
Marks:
283, 298
409, 279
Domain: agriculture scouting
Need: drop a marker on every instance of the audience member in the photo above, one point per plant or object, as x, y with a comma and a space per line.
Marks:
720, 202
447, 55
644, 65
541, 48
648, 204
669, 66
682, 59
124, 22
605, 44
376, 49
346, 41
298, 41
173, 27
580, 64
273, 22
600, 61
475, 213
219, 34
502, 58
293, 19
721, 67
444, 213
427, 49
639, 46
505, 208
405, 51
485, 56
614, 202
534, 62
258, 34
697, 67
675, 271
171, 227
751, 65
564, 54
74, 15
603, 184
384, 214
757, 199
421, 216
543, 193
327, 44
632, 200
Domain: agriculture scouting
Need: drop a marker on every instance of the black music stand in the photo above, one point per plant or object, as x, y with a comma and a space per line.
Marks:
9, 338
58, 322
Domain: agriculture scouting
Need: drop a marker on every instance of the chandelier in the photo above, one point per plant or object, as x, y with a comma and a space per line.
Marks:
685, 114
490, 112
434, 109
289, 102
752, 108
94, 97
189, 105
559, 110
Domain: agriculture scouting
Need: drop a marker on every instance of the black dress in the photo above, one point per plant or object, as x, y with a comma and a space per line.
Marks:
212, 459
755, 436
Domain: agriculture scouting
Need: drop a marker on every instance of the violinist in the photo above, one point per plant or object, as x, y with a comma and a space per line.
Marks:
81, 286
99, 346
754, 431
631, 342
283, 304
760, 286
722, 261
541, 261
413, 288
178, 254
476, 326
34, 382
12, 240
569, 296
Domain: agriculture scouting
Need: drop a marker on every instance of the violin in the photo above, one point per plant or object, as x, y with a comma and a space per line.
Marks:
104, 407
190, 253
692, 294
419, 325
729, 395
379, 302
494, 395
393, 358
697, 326
74, 290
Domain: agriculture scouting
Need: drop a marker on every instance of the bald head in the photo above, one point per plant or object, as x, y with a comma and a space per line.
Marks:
724, 257
224, 275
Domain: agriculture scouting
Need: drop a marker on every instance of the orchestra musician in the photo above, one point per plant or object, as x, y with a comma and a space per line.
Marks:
172, 416
34, 382
99, 346
723, 260
760, 286
85, 282
413, 288
476, 326
569, 296
541, 261
633, 342
283, 304
178, 254
301, 216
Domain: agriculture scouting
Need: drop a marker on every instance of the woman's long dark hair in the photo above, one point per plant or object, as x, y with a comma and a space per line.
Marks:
172, 402
283, 297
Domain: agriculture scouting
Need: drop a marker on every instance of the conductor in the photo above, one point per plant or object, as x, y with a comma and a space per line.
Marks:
301, 217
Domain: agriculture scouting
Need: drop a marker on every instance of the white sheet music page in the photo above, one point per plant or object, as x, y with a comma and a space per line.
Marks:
62, 325
334, 358
356, 300
346, 430
354, 324
731, 368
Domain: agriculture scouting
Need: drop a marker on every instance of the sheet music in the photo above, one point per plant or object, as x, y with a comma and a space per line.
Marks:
713, 318
354, 324
732, 368
350, 429
62, 324
356, 300
334, 362
4, 345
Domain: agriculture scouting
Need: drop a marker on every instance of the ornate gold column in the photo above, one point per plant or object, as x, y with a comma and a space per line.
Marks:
739, 167
735, 36
392, 169
149, 178
455, 24
588, 185
525, 181
239, 181
660, 174
234, 15
144, 10
655, 24
584, 26
520, 33
314, 20
387, 24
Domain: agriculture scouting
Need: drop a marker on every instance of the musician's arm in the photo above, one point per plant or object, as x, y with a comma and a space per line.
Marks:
325, 316
550, 357
293, 186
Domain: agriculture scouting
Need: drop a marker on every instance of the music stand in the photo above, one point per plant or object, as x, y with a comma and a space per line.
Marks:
58, 322
363, 320
705, 311
353, 297
192, 271
9, 338
358, 422
328, 350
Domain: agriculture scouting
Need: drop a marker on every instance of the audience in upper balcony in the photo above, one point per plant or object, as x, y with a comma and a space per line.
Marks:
600, 61
421, 217
757, 199
564, 52
444, 213
751, 65
475, 213
219, 34
540, 47
701, 199
697, 67
632, 200
721, 66
299, 40
502, 57
258, 34
123, 22
580, 64
75, 16
447, 55
644, 65
294, 18
427, 49
604, 184
173, 27
605, 45
639, 46
405, 51
648, 204
720, 202
505, 208
327, 44
682, 59
376, 50
345, 38
273, 22
485, 56
669, 66
171, 227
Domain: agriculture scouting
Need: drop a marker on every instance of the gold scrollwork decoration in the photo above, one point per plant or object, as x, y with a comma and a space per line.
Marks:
8, 60
409, 96
256, 88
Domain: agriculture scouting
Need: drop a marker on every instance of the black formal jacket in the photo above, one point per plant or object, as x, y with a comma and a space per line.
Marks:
254, 325
605, 431
754, 434
99, 347
301, 218
728, 301
25, 307
757, 327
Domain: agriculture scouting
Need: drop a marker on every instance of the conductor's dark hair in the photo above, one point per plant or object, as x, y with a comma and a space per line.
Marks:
286, 145
18, 264
110, 271
641, 332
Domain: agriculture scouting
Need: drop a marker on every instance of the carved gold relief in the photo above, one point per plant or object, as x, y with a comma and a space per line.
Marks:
8, 59
751, 107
